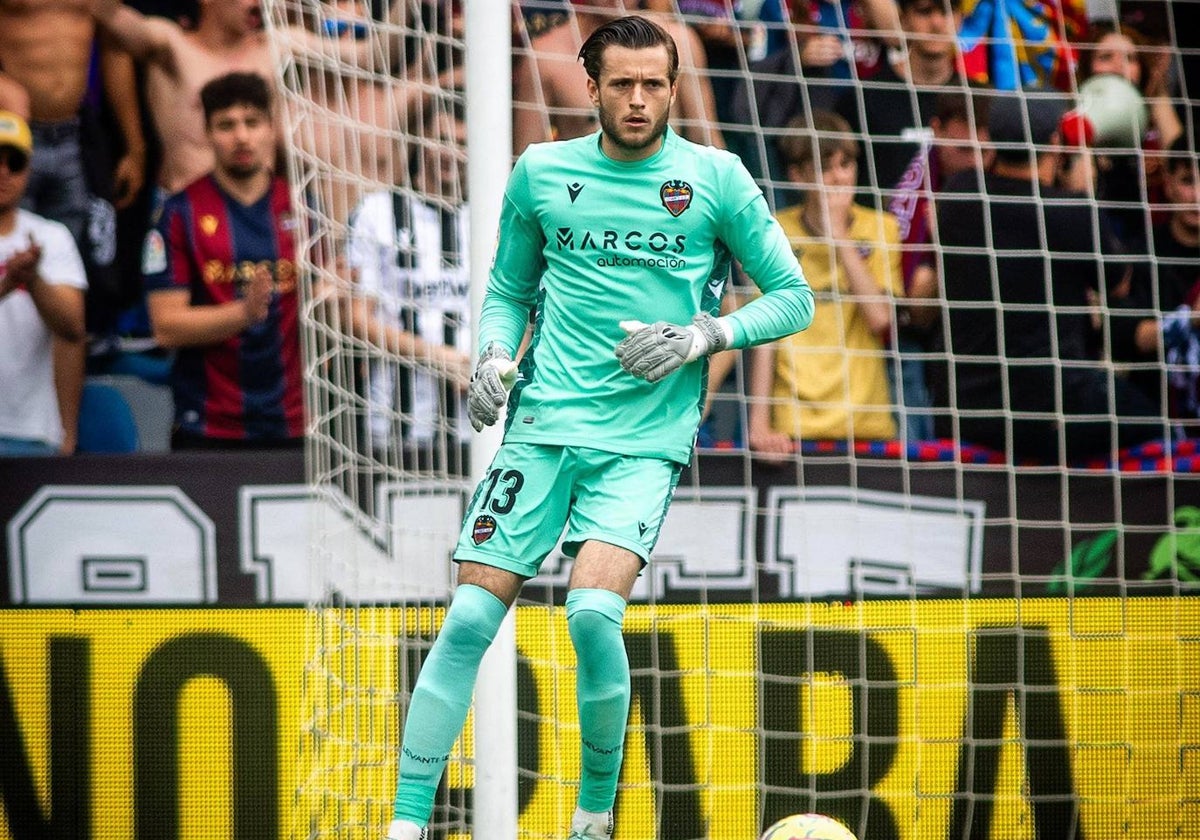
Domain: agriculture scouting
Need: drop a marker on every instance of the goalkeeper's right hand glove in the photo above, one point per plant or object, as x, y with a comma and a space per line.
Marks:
494, 375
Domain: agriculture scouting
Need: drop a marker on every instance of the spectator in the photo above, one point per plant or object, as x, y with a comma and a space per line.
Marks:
892, 112
550, 99
221, 275
849, 44
408, 252
958, 125
1126, 181
82, 171
831, 380
722, 38
42, 285
809, 73
1019, 258
1123, 51
228, 37
48, 48
355, 122
1158, 325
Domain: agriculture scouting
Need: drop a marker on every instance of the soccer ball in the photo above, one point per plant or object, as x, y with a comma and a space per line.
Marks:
808, 827
1116, 109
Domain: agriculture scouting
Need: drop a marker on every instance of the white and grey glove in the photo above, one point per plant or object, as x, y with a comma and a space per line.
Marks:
494, 376
651, 351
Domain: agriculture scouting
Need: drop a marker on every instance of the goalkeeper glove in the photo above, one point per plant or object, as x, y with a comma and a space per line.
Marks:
651, 351
494, 375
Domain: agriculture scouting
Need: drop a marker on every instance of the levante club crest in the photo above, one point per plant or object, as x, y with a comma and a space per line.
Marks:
676, 196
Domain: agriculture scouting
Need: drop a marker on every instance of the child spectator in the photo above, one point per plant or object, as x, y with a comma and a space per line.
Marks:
830, 381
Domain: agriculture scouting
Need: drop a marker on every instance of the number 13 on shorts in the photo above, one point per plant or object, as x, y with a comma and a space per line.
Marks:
531, 492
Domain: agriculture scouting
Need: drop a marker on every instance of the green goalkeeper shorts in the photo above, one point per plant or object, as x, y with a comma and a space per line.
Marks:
532, 491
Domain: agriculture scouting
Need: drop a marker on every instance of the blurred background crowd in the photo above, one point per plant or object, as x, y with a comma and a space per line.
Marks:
995, 201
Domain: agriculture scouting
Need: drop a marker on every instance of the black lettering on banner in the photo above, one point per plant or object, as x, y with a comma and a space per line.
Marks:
253, 741
529, 751
787, 658
70, 750
1014, 665
657, 687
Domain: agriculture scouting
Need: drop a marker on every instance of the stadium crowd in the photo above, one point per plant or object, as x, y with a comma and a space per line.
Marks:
1003, 232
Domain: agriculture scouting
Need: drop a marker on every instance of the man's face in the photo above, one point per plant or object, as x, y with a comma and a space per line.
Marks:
1181, 191
634, 97
929, 30
243, 141
14, 176
955, 145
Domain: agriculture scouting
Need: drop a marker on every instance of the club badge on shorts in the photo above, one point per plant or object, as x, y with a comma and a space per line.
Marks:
676, 196
483, 529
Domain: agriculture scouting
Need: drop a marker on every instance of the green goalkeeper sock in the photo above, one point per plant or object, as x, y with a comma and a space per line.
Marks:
602, 684
440, 700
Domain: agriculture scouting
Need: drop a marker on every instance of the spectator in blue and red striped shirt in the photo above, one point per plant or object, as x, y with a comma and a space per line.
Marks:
220, 270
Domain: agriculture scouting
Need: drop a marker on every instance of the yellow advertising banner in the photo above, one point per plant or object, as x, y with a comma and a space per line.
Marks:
914, 720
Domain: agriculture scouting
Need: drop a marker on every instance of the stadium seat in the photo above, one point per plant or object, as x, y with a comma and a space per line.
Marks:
106, 422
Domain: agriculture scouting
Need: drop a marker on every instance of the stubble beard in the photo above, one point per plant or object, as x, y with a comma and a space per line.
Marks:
244, 172
612, 130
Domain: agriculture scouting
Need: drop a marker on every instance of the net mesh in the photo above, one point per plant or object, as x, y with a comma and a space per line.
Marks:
965, 614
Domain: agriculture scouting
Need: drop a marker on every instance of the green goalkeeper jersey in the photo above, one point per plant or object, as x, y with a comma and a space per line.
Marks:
586, 242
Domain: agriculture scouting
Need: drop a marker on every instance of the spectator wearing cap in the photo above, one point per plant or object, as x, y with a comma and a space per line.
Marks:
42, 286
1019, 257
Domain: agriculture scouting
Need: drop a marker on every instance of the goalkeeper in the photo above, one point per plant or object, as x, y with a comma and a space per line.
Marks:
620, 243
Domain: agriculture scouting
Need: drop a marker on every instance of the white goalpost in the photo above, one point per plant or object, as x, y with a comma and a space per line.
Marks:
919, 637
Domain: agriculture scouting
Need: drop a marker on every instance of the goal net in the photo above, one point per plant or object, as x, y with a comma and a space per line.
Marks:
933, 568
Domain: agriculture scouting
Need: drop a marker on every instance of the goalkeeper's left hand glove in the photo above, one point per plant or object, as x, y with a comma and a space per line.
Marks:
651, 351
495, 374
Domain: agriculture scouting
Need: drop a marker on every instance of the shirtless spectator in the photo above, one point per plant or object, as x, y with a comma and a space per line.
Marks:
46, 47
228, 37
550, 98
353, 123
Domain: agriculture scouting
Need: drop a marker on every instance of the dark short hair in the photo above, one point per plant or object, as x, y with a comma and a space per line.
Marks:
632, 32
817, 141
249, 89
962, 104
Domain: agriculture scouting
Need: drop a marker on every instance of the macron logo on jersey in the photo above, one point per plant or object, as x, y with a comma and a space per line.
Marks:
574, 190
